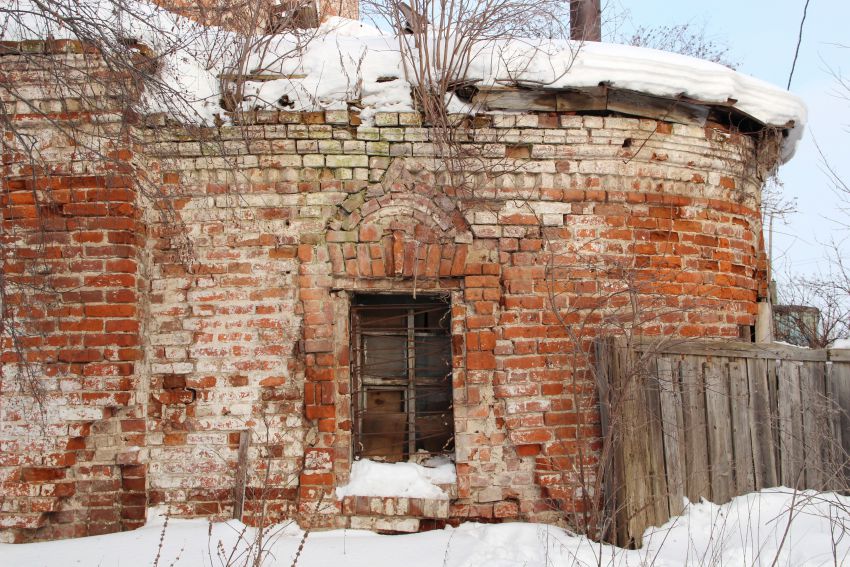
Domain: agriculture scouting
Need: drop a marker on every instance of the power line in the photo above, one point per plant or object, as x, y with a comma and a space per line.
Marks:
799, 41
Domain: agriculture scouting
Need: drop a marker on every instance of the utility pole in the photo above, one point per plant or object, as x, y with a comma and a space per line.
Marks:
585, 20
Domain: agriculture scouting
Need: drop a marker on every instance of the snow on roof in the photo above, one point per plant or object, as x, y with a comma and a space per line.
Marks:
351, 61
347, 60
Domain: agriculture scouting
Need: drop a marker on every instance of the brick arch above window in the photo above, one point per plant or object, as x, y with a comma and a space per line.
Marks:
399, 235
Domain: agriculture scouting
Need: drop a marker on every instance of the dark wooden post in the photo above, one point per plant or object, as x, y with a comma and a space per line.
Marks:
241, 475
585, 20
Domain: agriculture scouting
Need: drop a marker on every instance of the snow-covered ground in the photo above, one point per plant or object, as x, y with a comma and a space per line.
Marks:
774, 527
347, 60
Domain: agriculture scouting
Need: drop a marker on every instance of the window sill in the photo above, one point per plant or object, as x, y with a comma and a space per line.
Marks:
399, 506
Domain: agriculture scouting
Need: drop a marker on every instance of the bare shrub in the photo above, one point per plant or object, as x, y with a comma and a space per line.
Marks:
438, 41
686, 39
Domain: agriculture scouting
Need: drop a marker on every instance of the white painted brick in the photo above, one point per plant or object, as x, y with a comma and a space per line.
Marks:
336, 116
553, 220
525, 121
386, 119
80, 413
171, 338
172, 368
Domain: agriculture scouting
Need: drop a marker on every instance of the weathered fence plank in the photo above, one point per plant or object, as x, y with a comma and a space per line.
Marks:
739, 401
773, 393
719, 428
840, 355
790, 424
673, 432
605, 368
840, 382
761, 430
833, 449
640, 478
696, 429
717, 419
812, 396
657, 498
630, 464
772, 351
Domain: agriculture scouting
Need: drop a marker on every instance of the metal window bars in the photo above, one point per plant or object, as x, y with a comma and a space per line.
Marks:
401, 377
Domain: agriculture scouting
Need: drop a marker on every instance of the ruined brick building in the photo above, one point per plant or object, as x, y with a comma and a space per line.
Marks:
315, 290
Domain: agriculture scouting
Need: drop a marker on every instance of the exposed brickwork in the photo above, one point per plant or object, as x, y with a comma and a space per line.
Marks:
71, 244
339, 208
244, 295
224, 13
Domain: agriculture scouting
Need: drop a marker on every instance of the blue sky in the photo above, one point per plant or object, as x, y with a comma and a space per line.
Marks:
761, 35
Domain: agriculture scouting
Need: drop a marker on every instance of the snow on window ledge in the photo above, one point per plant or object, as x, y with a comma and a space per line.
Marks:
405, 480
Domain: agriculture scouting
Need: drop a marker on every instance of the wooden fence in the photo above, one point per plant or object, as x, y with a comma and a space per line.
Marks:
706, 419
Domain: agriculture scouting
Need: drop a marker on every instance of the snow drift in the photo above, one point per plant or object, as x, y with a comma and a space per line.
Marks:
773, 527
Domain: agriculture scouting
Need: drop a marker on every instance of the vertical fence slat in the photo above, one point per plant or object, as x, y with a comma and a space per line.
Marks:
840, 383
659, 511
698, 484
773, 393
605, 369
616, 395
832, 477
812, 397
636, 509
629, 501
739, 391
761, 429
672, 428
643, 483
719, 429
833, 417
790, 424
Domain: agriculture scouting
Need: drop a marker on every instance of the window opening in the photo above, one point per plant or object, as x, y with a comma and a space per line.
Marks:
402, 377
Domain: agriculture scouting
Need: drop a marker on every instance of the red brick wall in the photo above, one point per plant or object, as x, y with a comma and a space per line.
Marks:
332, 208
596, 225
72, 293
